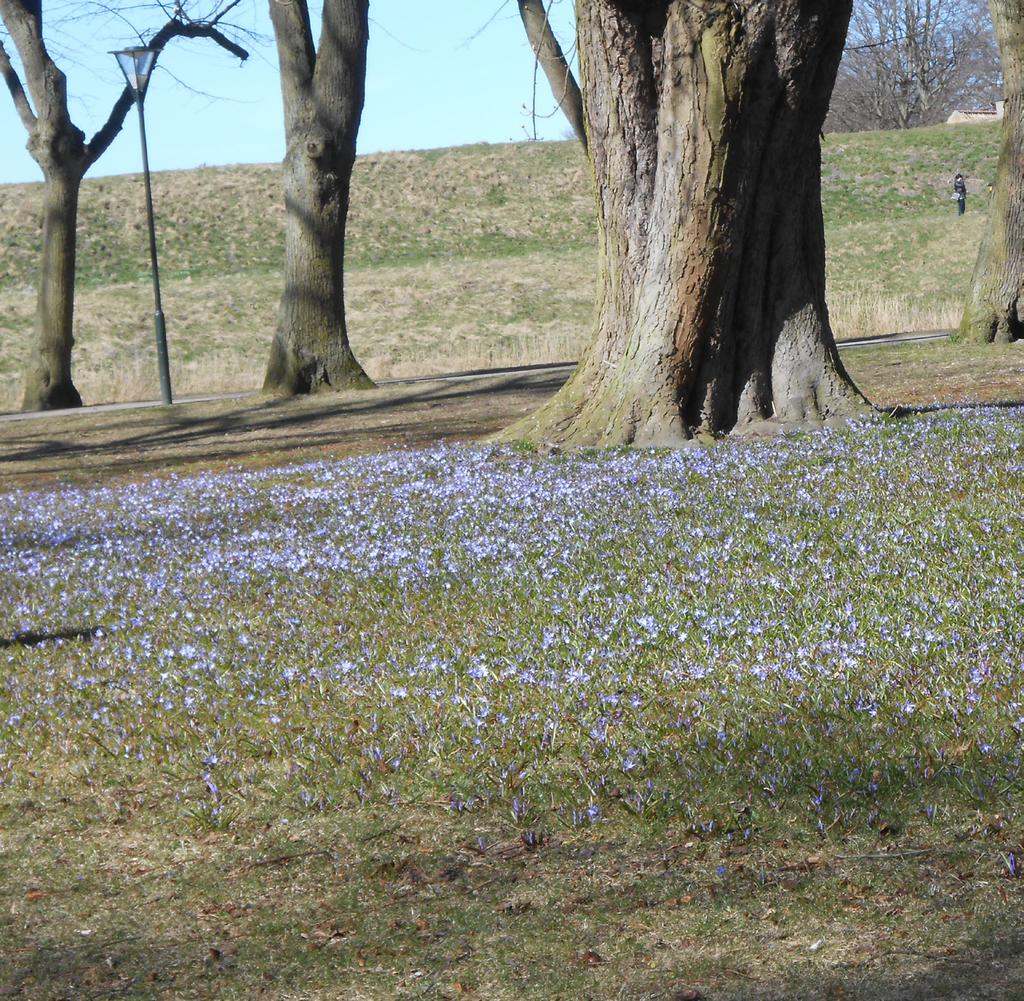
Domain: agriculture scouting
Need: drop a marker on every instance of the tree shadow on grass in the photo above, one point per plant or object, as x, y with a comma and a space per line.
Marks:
32, 638
136, 962
990, 968
414, 415
236, 921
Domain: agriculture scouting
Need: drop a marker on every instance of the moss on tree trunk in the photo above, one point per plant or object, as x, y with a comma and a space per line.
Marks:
994, 311
323, 102
48, 383
704, 124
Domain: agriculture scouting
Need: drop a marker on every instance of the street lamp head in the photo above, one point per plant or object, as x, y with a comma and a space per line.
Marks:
136, 65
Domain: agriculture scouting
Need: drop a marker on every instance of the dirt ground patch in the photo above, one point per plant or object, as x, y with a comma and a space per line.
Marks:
255, 430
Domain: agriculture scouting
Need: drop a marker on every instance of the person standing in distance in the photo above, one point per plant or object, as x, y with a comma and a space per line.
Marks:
960, 193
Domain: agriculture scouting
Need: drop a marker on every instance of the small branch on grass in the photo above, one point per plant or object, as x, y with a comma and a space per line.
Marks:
89, 944
738, 973
383, 833
99, 743
906, 853
37, 639
285, 859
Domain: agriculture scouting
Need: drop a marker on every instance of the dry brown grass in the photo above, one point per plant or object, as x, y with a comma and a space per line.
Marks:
857, 314
415, 320
405, 321
463, 258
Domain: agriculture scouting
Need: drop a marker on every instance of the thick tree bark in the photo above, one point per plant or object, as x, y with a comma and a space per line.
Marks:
551, 59
703, 122
323, 101
994, 311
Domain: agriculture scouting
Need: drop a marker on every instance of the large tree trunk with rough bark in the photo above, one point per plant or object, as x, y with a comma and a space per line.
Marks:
48, 384
323, 102
995, 303
704, 122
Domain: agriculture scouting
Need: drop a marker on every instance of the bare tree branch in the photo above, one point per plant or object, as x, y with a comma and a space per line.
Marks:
106, 134
174, 28
378, 26
479, 31
222, 14
14, 85
551, 58
43, 80
196, 29
298, 56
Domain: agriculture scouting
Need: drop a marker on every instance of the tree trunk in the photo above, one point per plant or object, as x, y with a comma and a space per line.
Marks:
551, 59
704, 139
994, 311
60, 149
48, 384
323, 101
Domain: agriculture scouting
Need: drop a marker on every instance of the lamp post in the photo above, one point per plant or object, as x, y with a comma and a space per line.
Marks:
136, 65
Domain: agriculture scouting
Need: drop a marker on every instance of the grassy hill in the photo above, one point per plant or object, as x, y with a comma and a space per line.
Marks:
458, 258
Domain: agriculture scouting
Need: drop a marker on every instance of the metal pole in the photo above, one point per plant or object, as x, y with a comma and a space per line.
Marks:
158, 316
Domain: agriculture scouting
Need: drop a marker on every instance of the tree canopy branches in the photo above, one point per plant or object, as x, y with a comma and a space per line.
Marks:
912, 62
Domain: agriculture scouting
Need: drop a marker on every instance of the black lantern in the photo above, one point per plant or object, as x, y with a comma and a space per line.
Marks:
136, 65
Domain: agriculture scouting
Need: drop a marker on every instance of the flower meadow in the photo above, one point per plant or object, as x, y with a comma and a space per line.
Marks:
823, 631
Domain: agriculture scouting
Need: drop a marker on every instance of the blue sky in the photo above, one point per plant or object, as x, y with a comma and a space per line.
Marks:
440, 74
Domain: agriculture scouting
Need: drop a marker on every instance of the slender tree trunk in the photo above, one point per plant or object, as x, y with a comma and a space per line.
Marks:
323, 101
48, 384
704, 125
551, 59
994, 311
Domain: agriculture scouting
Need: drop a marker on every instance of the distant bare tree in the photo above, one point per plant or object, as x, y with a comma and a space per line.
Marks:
912, 62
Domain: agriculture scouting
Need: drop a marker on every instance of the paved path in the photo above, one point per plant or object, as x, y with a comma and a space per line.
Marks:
865, 342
